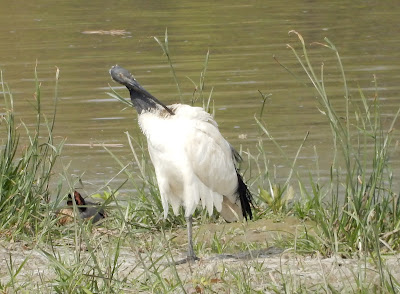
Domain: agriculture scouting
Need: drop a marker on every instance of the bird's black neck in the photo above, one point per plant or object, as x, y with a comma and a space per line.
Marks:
141, 102
144, 103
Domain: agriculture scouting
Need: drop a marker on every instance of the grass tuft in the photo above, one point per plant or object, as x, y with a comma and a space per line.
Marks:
26, 169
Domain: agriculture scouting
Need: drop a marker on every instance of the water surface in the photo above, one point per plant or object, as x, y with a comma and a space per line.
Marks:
84, 39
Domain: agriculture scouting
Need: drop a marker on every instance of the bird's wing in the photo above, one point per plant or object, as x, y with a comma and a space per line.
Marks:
210, 156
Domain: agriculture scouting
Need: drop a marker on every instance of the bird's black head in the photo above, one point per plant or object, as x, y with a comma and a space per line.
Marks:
141, 99
122, 76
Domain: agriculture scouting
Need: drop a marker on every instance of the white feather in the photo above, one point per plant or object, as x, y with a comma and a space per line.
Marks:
192, 161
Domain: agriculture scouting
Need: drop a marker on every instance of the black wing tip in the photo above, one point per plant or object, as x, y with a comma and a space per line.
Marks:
246, 199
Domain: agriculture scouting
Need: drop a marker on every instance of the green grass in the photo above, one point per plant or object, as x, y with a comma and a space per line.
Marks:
362, 203
344, 242
26, 170
357, 211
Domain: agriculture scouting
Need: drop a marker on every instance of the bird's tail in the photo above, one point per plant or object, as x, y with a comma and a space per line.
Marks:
246, 199
241, 208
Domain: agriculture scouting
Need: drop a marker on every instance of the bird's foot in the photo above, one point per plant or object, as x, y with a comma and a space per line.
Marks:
188, 259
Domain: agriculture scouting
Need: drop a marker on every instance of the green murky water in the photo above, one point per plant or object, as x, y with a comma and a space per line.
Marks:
84, 39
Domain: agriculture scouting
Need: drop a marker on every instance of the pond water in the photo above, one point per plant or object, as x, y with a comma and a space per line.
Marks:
84, 39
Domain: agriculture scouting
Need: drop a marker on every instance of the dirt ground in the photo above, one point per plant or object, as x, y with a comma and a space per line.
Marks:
266, 269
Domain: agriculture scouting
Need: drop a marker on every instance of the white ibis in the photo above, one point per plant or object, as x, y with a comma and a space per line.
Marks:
192, 160
86, 210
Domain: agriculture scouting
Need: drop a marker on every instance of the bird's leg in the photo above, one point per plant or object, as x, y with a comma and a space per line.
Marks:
190, 256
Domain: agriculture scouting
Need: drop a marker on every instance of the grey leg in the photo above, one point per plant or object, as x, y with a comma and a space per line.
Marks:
191, 256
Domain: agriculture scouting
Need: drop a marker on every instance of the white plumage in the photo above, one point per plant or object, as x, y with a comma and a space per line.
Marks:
193, 162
